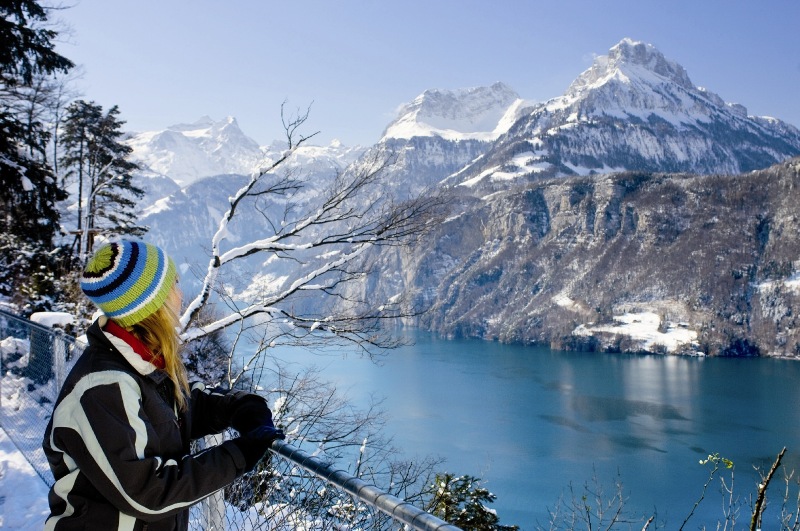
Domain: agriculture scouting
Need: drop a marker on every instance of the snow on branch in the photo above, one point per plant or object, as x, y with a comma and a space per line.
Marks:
347, 219
222, 231
267, 306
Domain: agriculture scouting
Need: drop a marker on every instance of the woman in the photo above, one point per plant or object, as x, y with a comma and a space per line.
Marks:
118, 441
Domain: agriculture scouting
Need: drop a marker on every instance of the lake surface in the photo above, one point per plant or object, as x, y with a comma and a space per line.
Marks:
531, 421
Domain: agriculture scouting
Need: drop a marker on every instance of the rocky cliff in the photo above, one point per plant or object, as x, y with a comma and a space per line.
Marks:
622, 262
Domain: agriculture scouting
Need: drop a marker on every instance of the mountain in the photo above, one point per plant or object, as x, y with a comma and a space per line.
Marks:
188, 152
629, 261
478, 113
567, 231
632, 110
441, 132
634, 212
184, 220
190, 170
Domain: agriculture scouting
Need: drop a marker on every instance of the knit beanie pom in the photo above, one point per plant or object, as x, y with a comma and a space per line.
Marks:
128, 280
100, 260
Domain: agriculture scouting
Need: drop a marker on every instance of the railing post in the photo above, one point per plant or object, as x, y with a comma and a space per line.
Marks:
213, 510
60, 351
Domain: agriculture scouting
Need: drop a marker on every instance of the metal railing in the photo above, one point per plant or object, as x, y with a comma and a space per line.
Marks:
296, 490
398, 509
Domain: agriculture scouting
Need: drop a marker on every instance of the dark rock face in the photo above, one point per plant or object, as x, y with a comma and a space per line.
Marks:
555, 261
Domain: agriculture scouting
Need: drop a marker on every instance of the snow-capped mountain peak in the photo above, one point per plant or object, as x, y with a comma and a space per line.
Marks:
190, 151
633, 109
630, 60
478, 113
203, 123
636, 80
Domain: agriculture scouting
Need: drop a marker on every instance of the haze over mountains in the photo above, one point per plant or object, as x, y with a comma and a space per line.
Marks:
544, 243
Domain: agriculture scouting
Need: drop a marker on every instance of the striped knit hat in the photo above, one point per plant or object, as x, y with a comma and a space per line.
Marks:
128, 280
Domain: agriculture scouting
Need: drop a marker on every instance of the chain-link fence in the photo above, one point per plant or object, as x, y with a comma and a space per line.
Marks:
33, 360
290, 490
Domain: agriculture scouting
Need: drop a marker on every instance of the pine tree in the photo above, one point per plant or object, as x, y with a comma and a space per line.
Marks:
75, 143
27, 49
98, 161
29, 190
461, 501
115, 207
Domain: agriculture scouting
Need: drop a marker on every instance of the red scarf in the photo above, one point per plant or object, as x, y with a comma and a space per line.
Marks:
137, 346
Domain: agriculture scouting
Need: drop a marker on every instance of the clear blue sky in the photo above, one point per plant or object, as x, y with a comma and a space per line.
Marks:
172, 61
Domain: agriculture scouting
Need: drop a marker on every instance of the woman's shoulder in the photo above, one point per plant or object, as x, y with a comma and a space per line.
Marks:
98, 365
98, 357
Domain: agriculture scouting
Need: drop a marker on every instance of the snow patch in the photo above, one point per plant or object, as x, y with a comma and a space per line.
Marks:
478, 113
475, 180
51, 319
162, 205
24, 495
644, 327
563, 301
792, 283
583, 170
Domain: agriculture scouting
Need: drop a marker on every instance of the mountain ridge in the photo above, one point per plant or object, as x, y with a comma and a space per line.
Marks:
566, 262
189, 152
602, 176
633, 109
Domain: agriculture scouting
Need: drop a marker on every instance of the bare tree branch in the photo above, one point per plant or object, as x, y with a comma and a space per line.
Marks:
328, 241
755, 520
213, 267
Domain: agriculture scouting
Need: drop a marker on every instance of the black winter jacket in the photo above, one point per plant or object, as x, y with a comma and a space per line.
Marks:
120, 453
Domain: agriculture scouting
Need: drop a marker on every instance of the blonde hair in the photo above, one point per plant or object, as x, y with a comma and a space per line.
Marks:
159, 333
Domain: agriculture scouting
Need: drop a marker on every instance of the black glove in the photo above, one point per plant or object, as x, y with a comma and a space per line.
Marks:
252, 449
266, 432
249, 413
255, 443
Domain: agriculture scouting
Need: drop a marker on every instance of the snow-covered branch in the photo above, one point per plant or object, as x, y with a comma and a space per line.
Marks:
317, 238
222, 233
267, 306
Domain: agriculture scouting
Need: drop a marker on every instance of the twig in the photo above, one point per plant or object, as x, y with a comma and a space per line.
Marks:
714, 459
762, 491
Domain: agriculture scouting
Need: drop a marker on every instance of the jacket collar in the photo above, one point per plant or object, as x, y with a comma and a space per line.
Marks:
134, 352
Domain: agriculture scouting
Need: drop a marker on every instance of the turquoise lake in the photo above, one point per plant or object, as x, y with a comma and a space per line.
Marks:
531, 421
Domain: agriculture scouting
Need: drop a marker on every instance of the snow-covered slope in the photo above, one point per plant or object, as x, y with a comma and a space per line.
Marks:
634, 109
186, 153
442, 131
479, 113
24, 495
310, 159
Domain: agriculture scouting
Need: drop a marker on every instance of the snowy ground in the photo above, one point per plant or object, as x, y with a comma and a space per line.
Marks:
23, 495
644, 327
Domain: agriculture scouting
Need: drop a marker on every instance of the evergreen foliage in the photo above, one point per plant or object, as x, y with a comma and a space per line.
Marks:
95, 158
27, 48
461, 501
29, 190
